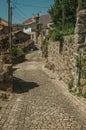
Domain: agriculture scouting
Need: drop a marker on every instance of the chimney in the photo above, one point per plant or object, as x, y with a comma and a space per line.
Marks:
33, 17
40, 13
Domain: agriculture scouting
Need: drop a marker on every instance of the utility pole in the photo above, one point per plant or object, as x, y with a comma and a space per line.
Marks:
11, 27
9, 24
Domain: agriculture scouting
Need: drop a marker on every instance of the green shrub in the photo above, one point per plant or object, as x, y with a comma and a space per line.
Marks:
68, 29
17, 51
57, 36
14, 51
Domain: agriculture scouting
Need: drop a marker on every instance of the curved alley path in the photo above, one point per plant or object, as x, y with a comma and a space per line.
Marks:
39, 103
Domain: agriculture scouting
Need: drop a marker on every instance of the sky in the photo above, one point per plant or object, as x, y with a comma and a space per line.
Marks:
24, 9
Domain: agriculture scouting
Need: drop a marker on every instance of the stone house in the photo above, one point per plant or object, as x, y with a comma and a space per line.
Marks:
22, 39
46, 22
37, 27
19, 37
30, 27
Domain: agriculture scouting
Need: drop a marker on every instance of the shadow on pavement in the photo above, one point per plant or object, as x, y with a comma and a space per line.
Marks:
21, 86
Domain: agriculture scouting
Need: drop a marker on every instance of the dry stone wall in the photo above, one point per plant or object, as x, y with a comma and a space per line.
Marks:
80, 30
5, 74
80, 40
65, 61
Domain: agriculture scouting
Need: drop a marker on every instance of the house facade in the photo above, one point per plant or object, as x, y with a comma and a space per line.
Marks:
37, 27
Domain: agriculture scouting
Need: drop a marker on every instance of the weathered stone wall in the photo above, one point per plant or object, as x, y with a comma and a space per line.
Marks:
5, 74
65, 61
39, 40
80, 30
80, 41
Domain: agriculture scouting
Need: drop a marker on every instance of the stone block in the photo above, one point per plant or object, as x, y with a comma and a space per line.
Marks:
84, 90
5, 86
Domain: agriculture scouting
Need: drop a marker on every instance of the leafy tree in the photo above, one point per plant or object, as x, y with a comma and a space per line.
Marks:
63, 12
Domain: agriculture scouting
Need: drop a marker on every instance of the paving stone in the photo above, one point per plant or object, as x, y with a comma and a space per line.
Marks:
39, 104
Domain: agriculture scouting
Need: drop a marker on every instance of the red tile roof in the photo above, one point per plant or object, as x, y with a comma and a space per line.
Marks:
44, 19
25, 44
3, 36
3, 22
28, 22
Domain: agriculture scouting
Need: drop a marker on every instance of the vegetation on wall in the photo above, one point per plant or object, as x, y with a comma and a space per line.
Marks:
57, 35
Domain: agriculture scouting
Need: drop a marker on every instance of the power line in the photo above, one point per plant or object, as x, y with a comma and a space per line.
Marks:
19, 12
22, 13
17, 18
27, 5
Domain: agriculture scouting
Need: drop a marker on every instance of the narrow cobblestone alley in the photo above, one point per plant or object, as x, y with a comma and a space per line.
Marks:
38, 103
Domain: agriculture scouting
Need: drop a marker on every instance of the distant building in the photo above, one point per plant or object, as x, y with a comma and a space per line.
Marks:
44, 20
37, 24
3, 23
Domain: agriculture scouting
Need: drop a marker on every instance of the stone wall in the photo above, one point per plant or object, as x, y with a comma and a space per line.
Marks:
5, 74
80, 30
64, 61
40, 39
80, 40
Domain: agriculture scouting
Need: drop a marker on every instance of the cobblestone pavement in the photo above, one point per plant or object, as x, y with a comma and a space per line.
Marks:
38, 103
